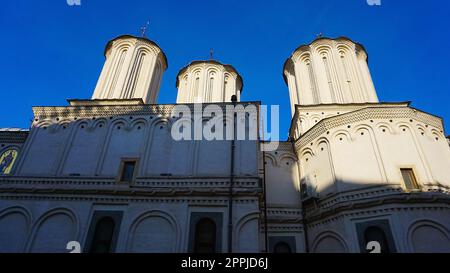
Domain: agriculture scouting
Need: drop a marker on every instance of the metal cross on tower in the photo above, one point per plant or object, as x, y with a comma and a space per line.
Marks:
144, 29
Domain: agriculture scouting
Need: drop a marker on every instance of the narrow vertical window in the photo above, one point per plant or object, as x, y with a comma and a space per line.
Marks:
312, 80
196, 87
225, 87
205, 236
409, 179
210, 90
103, 236
127, 172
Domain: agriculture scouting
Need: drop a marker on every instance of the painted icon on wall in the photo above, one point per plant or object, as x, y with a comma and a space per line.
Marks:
7, 160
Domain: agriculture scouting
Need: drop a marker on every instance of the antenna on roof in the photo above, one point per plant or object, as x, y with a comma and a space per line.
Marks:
211, 54
144, 29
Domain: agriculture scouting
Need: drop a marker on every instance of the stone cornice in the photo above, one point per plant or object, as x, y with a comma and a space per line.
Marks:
318, 213
162, 182
283, 227
193, 200
13, 137
134, 192
365, 114
142, 187
98, 111
283, 215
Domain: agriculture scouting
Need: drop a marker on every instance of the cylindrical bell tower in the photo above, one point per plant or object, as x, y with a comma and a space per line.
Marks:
208, 81
133, 70
329, 71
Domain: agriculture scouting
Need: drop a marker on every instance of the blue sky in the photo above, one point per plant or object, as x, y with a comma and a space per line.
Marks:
52, 51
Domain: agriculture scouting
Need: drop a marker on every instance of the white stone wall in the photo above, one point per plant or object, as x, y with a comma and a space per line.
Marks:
361, 149
282, 177
94, 147
283, 198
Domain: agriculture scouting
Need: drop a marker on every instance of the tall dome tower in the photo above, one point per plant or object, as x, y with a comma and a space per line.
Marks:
329, 71
208, 81
133, 70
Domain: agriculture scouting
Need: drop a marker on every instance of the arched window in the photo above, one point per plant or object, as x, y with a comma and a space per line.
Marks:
376, 234
282, 247
225, 88
103, 236
205, 236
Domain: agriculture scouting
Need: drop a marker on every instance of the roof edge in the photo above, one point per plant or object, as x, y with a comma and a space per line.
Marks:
124, 36
213, 62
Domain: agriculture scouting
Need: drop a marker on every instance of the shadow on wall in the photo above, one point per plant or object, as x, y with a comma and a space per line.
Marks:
400, 220
92, 141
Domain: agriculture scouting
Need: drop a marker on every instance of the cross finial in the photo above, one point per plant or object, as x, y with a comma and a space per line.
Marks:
144, 29
320, 35
211, 54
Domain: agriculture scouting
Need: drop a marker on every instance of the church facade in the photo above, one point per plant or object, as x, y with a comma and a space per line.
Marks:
108, 175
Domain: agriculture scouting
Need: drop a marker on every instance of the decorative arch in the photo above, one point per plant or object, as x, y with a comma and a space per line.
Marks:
240, 231
139, 121
385, 126
333, 236
344, 134
320, 141
272, 159
443, 246
361, 128
307, 152
300, 52
16, 236
10, 147
154, 214
48, 215
100, 122
43, 123
19, 209
288, 156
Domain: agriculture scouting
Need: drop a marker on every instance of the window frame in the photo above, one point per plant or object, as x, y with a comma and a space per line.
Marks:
96, 228
96, 216
218, 219
360, 226
415, 181
197, 243
123, 161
